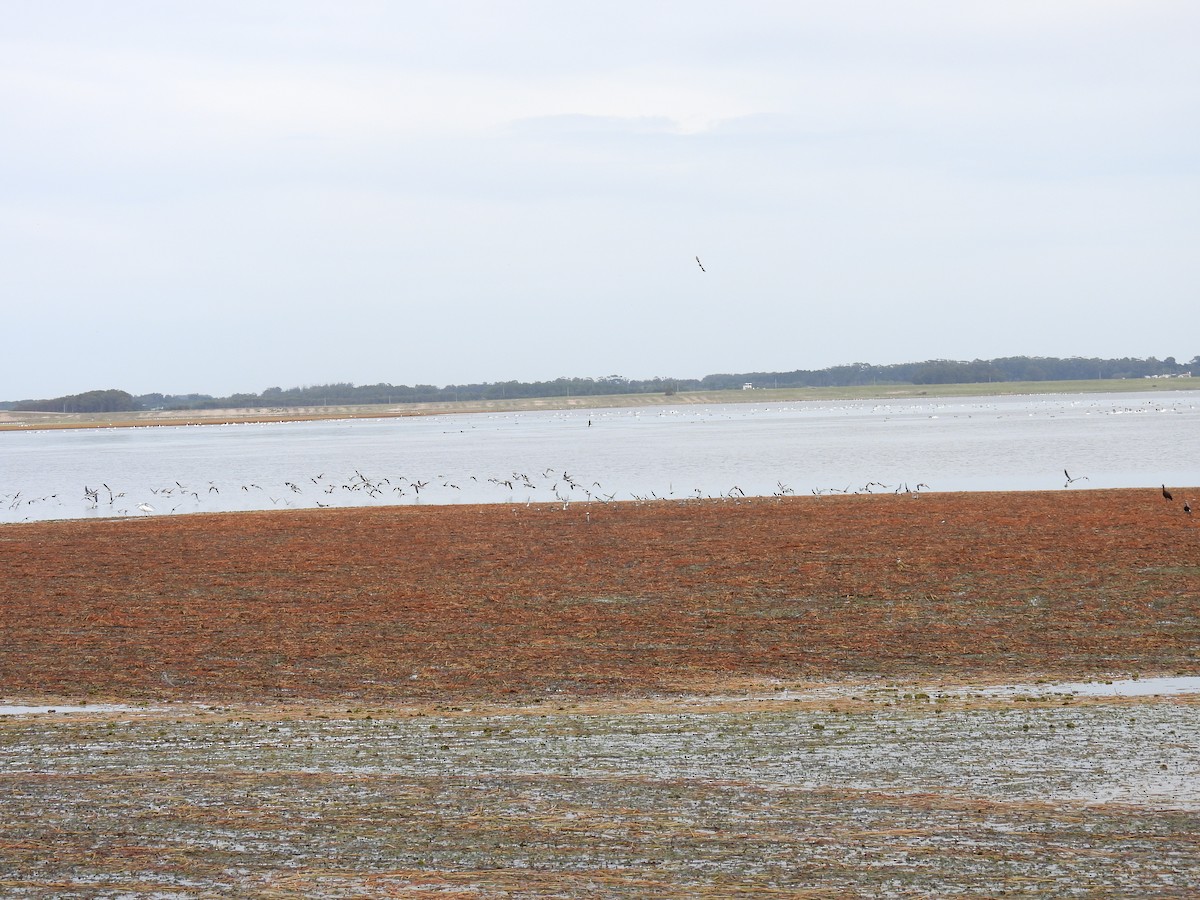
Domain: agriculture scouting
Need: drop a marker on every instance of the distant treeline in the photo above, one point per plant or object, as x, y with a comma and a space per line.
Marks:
92, 401
935, 371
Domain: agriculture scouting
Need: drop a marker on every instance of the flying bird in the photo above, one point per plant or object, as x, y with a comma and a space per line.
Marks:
1071, 480
701, 265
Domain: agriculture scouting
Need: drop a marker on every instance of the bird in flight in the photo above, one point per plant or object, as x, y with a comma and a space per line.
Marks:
1071, 480
701, 265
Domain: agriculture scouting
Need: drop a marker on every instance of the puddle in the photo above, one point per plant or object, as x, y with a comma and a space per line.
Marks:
42, 710
1131, 687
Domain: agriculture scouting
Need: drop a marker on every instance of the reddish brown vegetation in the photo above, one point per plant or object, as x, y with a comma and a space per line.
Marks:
499, 602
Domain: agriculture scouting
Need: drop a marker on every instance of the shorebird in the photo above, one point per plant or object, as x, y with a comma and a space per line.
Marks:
701, 265
1166, 493
146, 507
1071, 480
1187, 507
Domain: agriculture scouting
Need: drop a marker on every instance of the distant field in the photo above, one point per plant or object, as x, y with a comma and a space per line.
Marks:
23, 421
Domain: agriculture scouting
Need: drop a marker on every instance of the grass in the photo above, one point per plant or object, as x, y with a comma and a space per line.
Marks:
436, 603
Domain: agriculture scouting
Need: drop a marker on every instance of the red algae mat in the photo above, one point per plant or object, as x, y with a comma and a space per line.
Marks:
500, 701
504, 603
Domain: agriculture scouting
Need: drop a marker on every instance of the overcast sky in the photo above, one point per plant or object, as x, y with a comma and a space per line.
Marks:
229, 196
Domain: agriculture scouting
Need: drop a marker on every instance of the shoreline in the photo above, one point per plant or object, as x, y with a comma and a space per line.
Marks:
846, 695
42, 421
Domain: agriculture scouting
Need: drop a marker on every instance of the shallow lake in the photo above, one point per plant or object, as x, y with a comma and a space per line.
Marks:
574, 456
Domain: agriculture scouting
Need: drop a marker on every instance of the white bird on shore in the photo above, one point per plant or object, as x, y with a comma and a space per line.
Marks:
146, 507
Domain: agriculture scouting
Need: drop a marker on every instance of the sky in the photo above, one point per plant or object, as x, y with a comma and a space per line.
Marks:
229, 196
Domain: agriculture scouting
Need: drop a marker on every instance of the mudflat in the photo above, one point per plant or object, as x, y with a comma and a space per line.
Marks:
760, 697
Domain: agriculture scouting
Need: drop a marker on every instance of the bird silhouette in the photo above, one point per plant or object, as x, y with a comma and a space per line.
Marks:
701, 265
1166, 493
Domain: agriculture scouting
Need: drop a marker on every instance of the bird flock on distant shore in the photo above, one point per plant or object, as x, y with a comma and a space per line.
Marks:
552, 485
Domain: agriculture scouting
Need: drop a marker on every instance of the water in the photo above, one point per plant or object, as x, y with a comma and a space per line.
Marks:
975, 444
1128, 687
6, 710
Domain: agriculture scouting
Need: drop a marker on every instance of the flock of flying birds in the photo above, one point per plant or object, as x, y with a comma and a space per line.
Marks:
549, 486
